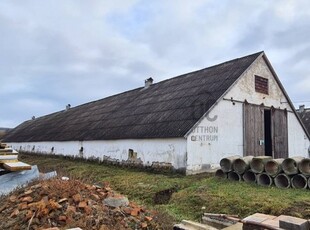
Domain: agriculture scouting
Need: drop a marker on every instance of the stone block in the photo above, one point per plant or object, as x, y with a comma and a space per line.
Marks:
293, 223
258, 218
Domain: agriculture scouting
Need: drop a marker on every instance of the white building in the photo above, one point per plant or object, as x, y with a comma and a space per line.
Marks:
190, 122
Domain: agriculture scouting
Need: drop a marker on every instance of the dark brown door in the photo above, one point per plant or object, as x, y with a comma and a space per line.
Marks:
253, 130
279, 133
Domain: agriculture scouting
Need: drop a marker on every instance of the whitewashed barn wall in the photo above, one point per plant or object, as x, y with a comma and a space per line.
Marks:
206, 148
169, 150
298, 142
210, 141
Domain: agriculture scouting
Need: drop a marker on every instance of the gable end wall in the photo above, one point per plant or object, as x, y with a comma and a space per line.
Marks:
211, 140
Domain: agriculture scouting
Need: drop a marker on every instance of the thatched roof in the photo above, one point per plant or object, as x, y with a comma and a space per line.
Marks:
166, 109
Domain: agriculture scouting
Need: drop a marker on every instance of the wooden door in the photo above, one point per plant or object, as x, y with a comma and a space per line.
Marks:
279, 133
253, 129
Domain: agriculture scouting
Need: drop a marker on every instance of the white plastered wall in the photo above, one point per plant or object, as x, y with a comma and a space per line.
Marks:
169, 150
210, 141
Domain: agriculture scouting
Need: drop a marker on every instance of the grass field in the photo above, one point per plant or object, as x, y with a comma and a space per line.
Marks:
194, 194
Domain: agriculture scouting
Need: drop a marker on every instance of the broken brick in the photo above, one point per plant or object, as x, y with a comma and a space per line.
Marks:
71, 208
143, 225
13, 199
28, 192
27, 199
135, 212
95, 196
22, 206
14, 213
77, 198
82, 204
88, 210
62, 218
71, 204
54, 204
148, 218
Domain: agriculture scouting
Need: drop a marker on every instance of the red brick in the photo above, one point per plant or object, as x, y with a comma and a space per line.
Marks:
62, 218
28, 192
14, 213
135, 212
148, 218
95, 196
77, 198
143, 225
88, 210
71, 208
13, 199
27, 199
22, 206
82, 204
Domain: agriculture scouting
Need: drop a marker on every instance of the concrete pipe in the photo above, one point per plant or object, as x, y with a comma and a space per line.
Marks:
249, 176
227, 163
282, 181
299, 181
304, 166
309, 182
258, 163
274, 166
290, 165
240, 165
264, 179
220, 174
234, 176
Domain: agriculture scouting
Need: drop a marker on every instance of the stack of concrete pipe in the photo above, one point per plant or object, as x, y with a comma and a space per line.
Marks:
291, 172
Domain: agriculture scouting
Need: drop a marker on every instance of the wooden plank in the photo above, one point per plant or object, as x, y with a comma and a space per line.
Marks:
253, 130
279, 133
8, 151
8, 158
16, 166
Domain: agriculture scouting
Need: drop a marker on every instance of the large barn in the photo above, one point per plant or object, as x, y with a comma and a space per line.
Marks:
189, 122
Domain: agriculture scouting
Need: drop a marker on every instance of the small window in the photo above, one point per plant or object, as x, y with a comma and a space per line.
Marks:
261, 85
132, 154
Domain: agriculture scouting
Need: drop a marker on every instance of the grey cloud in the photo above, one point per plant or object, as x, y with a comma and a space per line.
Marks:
53, 53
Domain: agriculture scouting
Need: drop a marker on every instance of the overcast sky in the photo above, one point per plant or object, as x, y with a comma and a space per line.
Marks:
57, 52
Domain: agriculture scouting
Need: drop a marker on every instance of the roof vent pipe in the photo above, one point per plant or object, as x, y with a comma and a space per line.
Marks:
68, 107
33, 118
148, 82
301, 108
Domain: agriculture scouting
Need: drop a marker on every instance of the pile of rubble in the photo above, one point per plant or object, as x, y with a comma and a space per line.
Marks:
60, 203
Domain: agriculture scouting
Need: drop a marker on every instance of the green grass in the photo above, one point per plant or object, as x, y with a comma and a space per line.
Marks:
196, 194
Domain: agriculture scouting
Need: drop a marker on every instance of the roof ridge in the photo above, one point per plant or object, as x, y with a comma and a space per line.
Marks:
210, 67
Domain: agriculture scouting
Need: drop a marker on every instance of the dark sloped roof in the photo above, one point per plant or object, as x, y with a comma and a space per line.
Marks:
305, 117
165, 109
